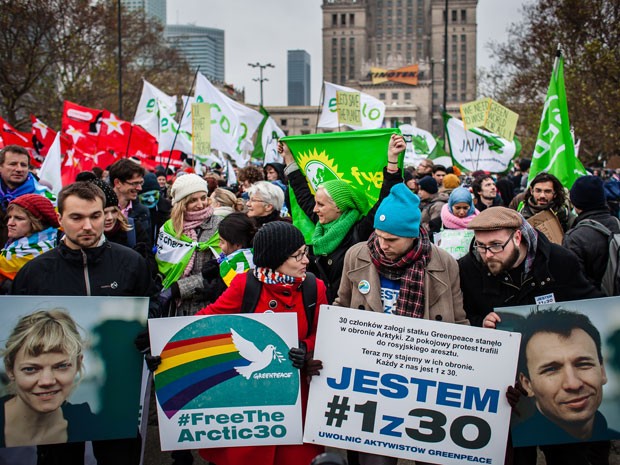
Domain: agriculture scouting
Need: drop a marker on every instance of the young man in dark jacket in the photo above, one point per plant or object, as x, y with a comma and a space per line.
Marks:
590, 245
86, 264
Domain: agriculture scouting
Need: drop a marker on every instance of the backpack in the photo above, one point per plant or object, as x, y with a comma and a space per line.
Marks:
611, 278
253, 288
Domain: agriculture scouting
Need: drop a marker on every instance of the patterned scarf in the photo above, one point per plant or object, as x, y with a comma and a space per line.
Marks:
408, 269
530, 235
191, 221
327, 237
269, 276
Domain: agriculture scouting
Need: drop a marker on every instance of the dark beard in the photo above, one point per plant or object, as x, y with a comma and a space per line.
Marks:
507, 265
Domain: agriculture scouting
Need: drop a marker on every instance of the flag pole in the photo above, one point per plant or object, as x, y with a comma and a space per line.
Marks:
129, 140
318, 112
181, 120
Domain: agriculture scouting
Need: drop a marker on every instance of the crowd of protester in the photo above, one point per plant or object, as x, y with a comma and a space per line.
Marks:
122, 220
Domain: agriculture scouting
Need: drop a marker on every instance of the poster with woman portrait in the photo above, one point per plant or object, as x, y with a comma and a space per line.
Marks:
569, 369
70, 369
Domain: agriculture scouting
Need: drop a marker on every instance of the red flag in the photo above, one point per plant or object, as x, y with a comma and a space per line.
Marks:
142, 144
11, 136
42, 136
84, 119
114, 134
85, 142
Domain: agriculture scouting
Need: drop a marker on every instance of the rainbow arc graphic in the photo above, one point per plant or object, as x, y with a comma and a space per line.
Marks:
192, 366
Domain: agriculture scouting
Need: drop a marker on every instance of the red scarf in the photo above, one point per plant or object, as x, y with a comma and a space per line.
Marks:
408, 269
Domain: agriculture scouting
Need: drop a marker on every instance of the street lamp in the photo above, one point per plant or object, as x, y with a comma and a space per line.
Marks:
261, 67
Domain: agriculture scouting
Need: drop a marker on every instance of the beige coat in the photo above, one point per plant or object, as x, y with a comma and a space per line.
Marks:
443, 300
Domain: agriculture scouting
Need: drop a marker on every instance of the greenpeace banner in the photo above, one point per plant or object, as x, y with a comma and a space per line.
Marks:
357, 157
372, 109
152, 100
232, 124
411, 388
226, 380
571, 370
477, 149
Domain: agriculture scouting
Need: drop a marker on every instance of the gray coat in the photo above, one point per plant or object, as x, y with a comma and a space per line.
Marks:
192, 297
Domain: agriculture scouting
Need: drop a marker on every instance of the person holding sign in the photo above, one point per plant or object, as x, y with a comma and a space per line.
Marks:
399, 271
336, 210
43, 360
279, 283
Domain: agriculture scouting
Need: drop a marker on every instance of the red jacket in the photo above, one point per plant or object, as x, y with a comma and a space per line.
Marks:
288, 299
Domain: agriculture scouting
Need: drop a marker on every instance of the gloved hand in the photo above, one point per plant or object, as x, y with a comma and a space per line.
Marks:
165, 297
513, 394
210, 269
314, 367
298, 355
152, 361
142, 341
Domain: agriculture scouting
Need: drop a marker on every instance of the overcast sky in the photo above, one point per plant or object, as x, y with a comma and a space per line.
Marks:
263, 31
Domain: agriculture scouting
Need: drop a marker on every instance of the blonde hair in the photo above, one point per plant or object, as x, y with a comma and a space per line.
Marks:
121, 219
177, 215
227, 199
36, 225
43, 332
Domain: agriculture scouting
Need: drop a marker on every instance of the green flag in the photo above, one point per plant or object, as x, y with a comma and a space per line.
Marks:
554, 152
357, 157
259, 153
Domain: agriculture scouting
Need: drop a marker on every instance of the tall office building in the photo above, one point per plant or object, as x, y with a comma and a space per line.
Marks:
395, 50
154, 8
201, 46
298, 77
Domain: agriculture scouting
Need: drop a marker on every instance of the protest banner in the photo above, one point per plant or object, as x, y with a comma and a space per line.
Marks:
201, 130
226, 380
97, 390
411, 388
501, 120
573, 395
348, 106
454, 241
474, 114
372, 109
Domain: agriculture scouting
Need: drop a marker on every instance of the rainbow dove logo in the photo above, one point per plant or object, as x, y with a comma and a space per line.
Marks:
258, 359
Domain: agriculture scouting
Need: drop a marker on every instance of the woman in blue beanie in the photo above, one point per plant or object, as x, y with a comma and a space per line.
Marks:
337, 210
459, 210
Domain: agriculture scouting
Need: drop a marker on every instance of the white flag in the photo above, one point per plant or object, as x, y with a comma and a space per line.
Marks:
151, 101
478, 149
373, 110
232, 124
271, 134
49, 173
167, 130
420, 144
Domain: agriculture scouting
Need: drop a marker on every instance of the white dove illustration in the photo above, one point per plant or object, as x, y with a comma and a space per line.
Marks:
247, 349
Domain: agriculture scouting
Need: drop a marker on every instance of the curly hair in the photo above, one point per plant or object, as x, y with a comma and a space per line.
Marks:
251, 174
559, 200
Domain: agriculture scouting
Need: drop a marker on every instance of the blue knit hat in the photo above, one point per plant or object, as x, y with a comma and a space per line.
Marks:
399, 213
461, 195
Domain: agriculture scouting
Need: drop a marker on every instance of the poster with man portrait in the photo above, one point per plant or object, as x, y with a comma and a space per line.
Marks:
70, 370
569, 367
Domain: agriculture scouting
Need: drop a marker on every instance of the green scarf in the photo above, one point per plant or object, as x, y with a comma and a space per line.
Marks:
327, 237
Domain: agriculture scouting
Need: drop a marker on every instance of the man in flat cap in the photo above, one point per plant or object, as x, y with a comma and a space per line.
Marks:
509, 263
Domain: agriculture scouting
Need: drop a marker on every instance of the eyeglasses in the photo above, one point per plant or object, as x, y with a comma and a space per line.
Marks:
493, 248
135, 183
253, 200
300, 256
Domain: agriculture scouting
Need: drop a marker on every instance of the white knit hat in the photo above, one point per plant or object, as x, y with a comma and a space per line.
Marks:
187, 185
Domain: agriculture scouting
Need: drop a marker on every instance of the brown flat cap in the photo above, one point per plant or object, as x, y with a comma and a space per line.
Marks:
495, 218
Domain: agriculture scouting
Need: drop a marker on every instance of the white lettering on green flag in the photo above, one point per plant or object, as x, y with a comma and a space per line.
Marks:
357, 157
554, 152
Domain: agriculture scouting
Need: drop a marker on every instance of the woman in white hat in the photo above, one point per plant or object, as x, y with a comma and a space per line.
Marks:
185, 243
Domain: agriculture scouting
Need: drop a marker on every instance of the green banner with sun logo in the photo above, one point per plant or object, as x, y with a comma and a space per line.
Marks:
357, 157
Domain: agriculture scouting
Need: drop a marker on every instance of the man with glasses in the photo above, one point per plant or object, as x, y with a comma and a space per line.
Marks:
425, 168
127, 178
509, 263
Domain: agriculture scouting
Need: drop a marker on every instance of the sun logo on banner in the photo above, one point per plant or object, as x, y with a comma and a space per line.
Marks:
318, 167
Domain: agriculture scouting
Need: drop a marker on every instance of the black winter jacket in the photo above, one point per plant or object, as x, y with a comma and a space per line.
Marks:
590, 246
329, 267
555, 270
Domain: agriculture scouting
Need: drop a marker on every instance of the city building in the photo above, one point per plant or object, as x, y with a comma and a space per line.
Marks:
201, 46
298, 73
395, 51
153, 8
